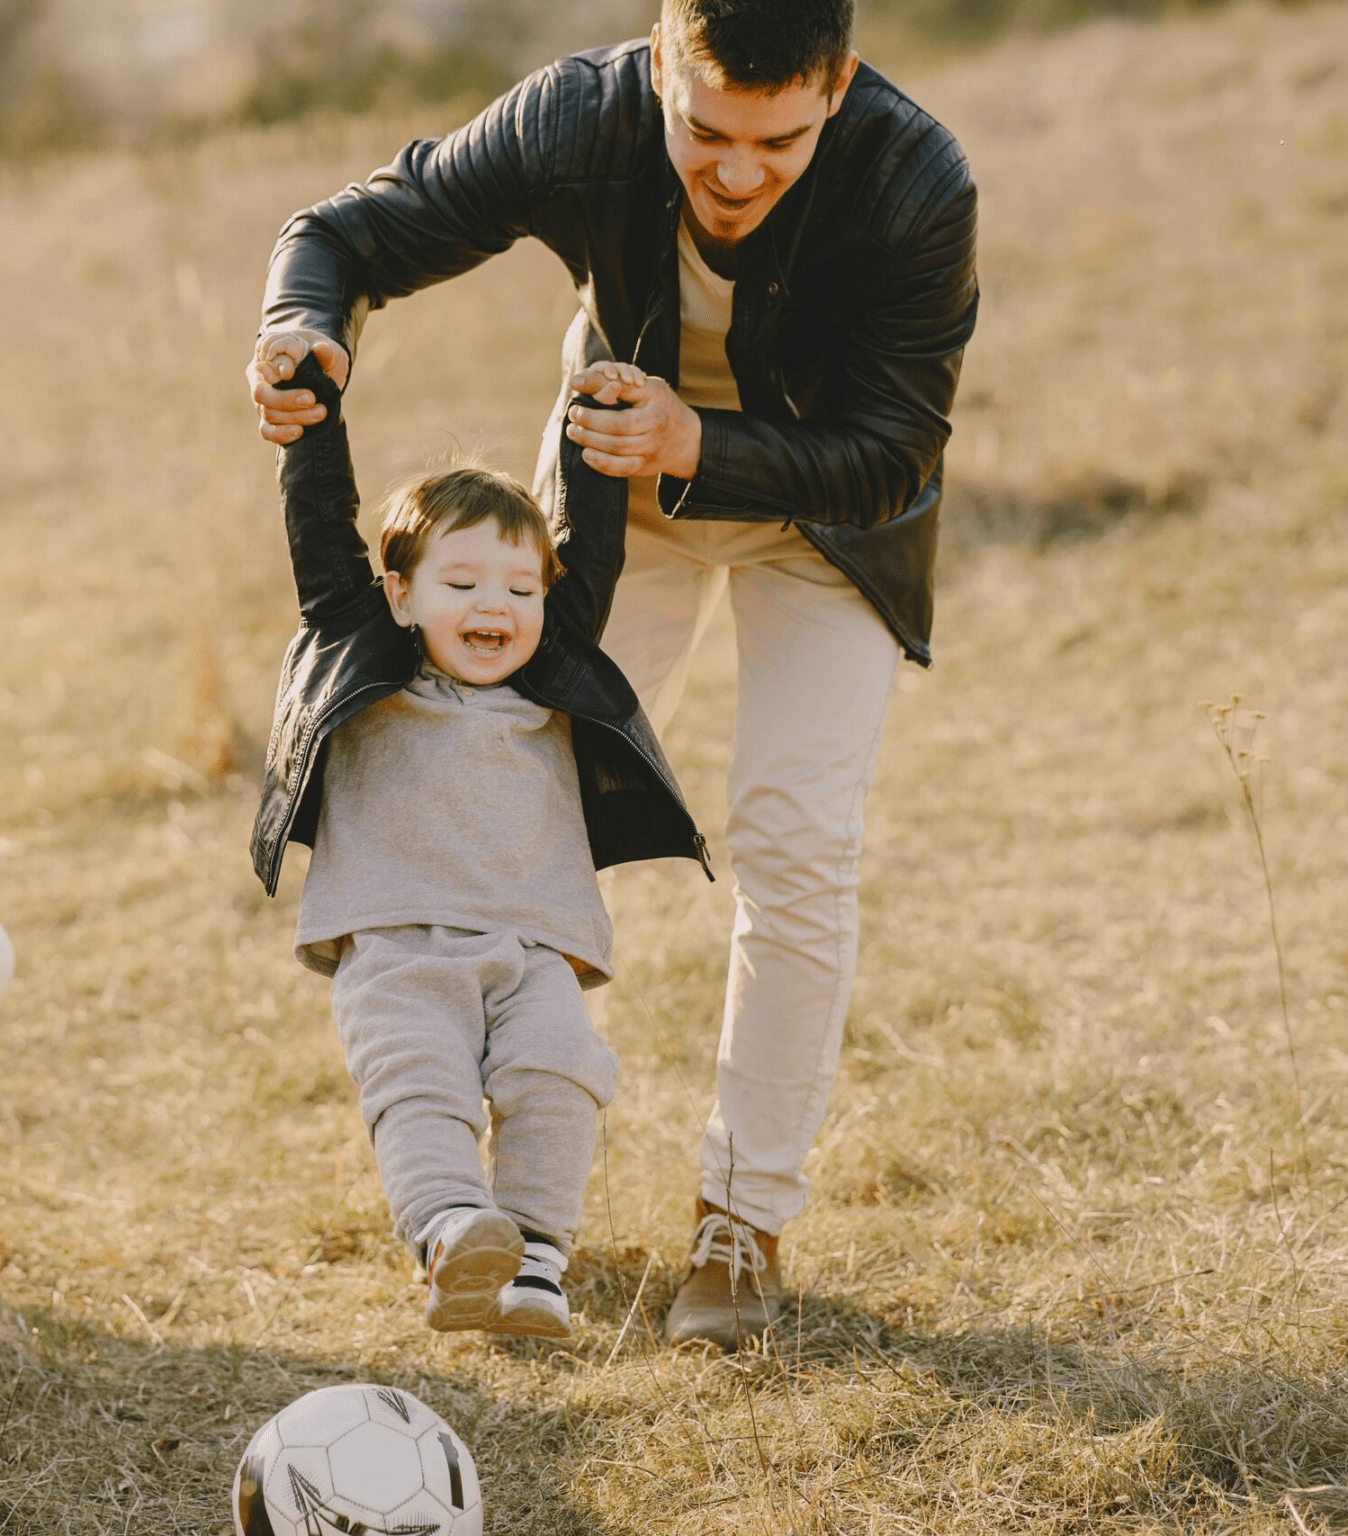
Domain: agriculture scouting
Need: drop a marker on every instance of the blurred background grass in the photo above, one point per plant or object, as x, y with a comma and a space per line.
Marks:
80, 73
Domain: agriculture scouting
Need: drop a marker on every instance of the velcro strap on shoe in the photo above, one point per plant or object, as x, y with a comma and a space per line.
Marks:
542, 1266
538, 1283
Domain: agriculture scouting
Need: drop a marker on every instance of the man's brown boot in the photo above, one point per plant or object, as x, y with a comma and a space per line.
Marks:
733, 1291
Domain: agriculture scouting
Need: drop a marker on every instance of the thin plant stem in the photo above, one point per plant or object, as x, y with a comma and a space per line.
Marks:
1246, 765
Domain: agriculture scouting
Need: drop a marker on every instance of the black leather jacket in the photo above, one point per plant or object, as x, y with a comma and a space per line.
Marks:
350, 652
853, 300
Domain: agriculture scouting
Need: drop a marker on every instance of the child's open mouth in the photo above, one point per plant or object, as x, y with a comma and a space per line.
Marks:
486, 642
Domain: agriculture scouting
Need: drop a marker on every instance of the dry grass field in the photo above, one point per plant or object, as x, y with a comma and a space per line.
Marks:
1076, 1256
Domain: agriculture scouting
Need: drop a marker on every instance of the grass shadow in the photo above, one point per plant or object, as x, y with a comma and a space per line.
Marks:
1254, 1424
102, 1433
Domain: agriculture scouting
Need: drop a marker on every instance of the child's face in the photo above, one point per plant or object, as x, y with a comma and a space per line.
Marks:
477, 599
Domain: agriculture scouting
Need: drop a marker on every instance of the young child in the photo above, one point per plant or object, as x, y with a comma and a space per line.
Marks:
452, 898
451, 895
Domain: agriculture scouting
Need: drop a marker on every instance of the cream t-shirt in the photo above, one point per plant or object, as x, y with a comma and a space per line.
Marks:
705, 379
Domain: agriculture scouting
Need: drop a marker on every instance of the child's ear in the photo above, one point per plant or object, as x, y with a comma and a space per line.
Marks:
396, 590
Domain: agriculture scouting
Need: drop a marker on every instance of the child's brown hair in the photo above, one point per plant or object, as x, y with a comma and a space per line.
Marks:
417, 509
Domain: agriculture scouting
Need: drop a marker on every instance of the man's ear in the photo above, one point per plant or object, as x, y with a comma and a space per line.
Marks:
657, 60
845, 77
396, 590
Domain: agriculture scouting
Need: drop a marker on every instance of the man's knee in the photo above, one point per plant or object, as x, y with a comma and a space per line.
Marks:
784, 848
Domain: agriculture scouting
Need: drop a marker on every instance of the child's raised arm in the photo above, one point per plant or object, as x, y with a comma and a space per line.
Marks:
318, 493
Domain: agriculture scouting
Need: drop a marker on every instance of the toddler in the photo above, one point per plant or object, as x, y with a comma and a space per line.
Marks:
452, 899
462, 756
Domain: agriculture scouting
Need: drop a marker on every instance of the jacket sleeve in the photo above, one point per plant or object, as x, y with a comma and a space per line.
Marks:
865, 457
319, 497
441, 208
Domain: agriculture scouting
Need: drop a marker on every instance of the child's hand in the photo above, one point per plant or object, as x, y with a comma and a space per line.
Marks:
609, 382
284, 414
657, 435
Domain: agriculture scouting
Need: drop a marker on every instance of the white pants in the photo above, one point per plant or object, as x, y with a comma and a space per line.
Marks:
816, 665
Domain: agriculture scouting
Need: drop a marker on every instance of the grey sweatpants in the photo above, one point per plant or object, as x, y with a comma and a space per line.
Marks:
434, 1020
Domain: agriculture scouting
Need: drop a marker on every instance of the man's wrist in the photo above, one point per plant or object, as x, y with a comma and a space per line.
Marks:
684, 462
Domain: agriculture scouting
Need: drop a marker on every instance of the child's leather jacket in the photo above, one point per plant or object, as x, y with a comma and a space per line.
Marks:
350, 652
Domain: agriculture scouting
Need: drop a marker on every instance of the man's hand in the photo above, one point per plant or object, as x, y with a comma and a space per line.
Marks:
657, 435
284, 414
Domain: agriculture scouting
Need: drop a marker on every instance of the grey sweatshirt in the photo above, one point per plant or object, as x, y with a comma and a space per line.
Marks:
455, 806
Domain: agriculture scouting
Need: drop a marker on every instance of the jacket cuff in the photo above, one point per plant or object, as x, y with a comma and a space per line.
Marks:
706, 497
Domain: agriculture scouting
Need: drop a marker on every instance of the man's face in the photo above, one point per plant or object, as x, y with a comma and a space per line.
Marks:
478, 600
737, 151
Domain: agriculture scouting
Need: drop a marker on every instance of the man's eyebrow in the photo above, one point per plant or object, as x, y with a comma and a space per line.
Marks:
772, 138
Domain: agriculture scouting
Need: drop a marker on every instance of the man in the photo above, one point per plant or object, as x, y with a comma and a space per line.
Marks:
773, 249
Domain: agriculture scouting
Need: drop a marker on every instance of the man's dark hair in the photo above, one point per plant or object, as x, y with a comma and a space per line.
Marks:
763, 45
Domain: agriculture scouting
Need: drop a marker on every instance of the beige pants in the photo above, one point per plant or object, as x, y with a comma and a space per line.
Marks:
816, 665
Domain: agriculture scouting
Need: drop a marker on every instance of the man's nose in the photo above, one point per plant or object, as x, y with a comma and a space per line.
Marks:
739, 173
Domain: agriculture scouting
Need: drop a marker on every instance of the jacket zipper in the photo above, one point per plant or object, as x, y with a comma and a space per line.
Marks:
699, 841
655, 303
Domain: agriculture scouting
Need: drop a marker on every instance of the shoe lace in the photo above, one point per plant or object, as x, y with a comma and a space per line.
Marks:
732, 1242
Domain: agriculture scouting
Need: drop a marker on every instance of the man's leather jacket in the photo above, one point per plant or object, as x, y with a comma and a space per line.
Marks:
349, 652
853, 300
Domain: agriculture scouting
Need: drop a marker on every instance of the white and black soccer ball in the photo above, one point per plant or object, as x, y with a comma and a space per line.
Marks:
357, 1461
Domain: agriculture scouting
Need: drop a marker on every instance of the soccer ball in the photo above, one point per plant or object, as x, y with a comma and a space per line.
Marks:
356, 1461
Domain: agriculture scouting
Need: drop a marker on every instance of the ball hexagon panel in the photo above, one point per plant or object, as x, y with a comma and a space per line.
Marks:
320, 1417
375, 1461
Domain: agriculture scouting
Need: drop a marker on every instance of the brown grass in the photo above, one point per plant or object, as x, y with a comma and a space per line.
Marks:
1063, 1269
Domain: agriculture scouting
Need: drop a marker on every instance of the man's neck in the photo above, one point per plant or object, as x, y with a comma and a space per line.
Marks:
722, 256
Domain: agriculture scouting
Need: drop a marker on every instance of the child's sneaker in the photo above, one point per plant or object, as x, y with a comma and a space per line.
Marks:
470, 1259
534, 1301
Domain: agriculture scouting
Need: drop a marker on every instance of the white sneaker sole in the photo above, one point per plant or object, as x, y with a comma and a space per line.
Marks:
468, 1278
523, 1315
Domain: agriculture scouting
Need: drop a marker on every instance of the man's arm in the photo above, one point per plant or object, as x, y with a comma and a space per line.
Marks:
890, 389
440, 209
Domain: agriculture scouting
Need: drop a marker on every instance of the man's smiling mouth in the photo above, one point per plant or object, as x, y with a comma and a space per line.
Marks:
730, 204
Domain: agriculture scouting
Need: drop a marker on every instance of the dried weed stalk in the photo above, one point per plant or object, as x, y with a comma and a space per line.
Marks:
1236, 733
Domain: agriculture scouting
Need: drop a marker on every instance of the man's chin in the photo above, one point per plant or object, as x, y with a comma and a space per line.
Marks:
728, 233
731, 227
